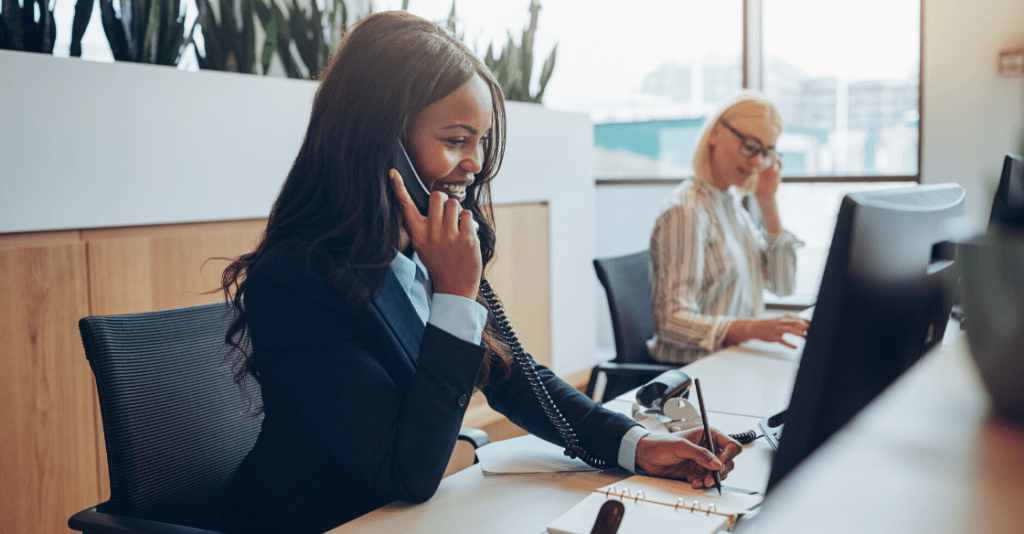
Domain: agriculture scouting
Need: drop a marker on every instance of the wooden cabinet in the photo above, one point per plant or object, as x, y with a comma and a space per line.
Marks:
48, 441
52, 457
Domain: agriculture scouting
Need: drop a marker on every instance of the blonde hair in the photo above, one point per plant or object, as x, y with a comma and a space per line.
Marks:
746, 106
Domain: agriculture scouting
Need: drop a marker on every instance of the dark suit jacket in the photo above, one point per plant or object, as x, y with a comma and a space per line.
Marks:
361, 403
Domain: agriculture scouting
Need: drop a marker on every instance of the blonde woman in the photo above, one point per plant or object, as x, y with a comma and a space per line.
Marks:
709, 260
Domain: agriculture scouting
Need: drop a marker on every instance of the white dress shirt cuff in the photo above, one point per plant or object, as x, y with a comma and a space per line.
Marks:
459, 316
782, 239
627, 449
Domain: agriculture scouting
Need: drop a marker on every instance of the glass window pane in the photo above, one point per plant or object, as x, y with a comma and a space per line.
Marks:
845, 78
673, 63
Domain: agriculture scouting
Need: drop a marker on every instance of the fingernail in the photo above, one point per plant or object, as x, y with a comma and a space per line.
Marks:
717, 464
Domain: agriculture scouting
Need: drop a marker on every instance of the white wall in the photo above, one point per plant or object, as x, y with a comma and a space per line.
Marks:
971, 115
87, 144
547, 159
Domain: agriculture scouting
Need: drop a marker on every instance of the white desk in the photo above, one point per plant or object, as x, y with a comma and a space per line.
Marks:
924, 457
749, 386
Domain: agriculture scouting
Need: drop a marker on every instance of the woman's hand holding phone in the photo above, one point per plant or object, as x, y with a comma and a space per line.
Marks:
446, 240
768, 180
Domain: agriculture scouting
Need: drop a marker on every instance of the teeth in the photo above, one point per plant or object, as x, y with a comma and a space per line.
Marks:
451, 189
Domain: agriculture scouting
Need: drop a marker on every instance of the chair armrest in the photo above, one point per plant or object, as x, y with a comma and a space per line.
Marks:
476, 437
95, 522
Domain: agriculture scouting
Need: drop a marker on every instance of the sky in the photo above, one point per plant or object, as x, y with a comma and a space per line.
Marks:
606, 48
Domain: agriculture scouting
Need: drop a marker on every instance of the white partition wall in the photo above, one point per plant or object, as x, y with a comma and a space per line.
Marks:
87, 145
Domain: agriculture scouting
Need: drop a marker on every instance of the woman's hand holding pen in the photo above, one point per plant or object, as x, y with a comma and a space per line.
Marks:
446, 240
679, 455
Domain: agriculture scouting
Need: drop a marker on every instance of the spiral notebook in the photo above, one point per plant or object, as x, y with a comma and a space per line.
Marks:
658, 505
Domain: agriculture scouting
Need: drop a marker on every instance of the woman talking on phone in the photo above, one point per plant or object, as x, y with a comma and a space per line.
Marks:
368, 330
709, 261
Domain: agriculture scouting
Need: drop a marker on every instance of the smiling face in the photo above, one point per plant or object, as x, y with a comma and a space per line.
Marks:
446, 140
729, 167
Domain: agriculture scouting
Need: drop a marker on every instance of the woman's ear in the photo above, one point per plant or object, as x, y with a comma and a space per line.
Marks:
713, 136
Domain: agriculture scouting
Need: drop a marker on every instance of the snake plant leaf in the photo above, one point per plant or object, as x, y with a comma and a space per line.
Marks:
308, 34
245, 40
114, 31
450, 23
6, 39
269, 45
150, 44
545, 74
526, 44
83, 13
25, 32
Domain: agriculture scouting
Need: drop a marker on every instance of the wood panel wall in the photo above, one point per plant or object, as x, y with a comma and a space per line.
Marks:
52, 456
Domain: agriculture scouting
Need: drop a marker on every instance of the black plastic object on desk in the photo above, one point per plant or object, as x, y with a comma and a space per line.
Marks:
668, 385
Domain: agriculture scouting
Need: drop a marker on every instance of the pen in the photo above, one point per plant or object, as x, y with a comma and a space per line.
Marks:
707, 434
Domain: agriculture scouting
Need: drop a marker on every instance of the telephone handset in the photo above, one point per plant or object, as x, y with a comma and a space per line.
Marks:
420, 197
413, 184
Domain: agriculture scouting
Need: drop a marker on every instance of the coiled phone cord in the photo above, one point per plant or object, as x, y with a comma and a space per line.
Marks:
745, 437
528, 365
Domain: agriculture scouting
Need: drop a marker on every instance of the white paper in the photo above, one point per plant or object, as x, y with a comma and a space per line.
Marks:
526, 454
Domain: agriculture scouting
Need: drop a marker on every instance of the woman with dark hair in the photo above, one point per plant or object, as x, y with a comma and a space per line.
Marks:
367, 332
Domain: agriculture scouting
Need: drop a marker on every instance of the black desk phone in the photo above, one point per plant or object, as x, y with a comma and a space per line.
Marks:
771, 427
420, 197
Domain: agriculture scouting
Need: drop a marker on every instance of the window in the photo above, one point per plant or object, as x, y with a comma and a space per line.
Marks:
845, 78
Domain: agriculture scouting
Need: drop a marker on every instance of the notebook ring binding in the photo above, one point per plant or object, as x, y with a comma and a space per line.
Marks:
640, 494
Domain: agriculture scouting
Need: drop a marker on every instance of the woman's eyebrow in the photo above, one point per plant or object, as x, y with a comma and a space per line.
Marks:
470, 129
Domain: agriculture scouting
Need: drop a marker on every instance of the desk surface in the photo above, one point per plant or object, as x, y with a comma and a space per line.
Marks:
924, 457
740, 386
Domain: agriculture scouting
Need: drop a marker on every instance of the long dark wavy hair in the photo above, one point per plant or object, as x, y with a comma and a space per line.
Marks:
336, 204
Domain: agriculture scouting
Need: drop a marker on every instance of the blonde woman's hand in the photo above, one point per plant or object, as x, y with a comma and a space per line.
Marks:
768, 180
771, 329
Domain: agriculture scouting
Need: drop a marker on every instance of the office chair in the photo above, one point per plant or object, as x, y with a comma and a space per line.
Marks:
626, 282
175, 423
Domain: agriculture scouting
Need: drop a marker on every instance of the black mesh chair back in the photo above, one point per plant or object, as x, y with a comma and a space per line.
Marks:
627, 285
626, 282
176, 425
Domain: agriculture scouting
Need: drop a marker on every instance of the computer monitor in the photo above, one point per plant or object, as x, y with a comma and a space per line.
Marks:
882, 303
1009, 198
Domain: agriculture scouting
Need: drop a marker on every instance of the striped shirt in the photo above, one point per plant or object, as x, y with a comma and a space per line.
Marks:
709, 265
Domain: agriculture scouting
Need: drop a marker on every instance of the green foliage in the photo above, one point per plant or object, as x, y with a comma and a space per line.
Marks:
153, 31
514, 66
19, 29
307, 31
147, 31
230, 43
